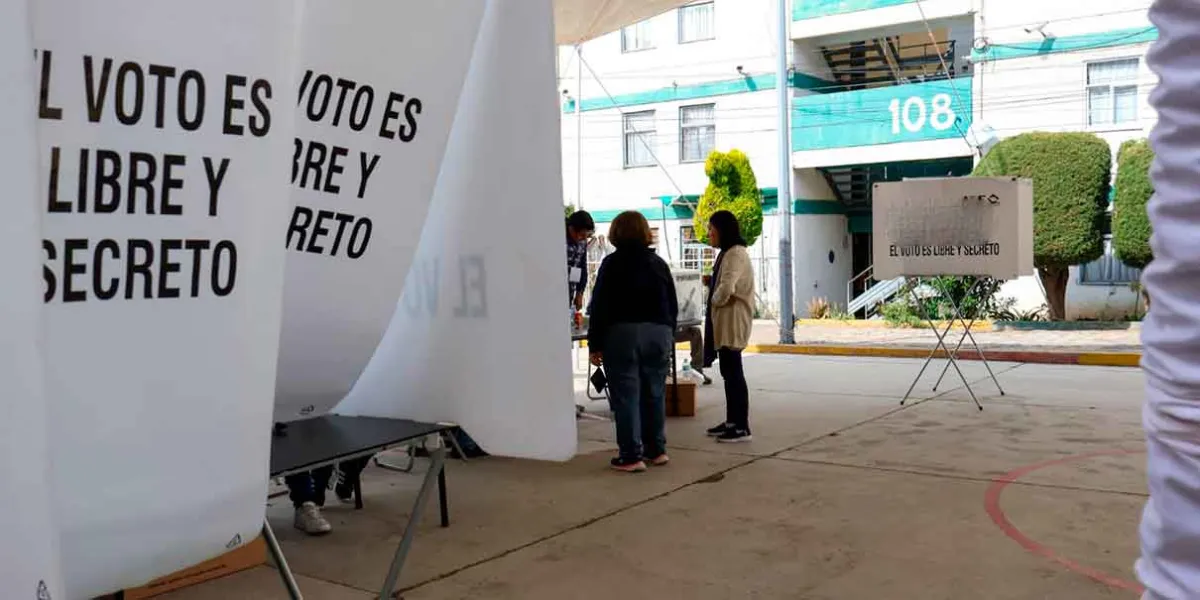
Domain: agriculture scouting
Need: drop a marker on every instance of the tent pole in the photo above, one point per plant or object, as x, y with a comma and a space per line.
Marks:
579, 126
783, 88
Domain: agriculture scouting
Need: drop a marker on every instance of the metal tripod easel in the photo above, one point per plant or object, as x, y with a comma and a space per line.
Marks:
942, 333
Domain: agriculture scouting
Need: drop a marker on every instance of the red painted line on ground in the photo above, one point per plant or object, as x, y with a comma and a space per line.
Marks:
991, 503
1109, 359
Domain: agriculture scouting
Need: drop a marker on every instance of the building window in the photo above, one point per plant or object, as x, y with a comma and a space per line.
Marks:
1108, 269
637, 37
697, 132
1112, 92
640, 137
697, 23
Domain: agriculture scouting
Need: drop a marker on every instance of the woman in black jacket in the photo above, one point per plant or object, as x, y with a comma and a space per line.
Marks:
632, 333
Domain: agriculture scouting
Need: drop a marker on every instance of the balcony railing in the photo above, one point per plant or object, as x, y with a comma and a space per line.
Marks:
914, 112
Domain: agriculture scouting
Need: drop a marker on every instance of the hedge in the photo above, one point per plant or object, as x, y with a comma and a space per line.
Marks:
1131, 224
1070, 173
732, 186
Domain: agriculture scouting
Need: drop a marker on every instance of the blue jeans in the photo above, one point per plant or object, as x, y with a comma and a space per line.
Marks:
637, 357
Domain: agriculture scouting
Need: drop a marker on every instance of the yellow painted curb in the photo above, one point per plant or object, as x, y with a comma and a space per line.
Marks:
980, 326
1111, 359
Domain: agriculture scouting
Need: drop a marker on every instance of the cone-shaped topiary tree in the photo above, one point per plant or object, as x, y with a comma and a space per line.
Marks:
732, 186
1070, 173
1131, 224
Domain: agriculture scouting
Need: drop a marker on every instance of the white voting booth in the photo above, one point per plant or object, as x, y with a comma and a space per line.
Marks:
965, 226
252, 212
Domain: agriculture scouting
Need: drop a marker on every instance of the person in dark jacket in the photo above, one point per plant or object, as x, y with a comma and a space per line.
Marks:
632, 333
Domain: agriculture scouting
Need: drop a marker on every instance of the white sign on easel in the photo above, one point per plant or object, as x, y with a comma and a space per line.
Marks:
29, 546
379, 84
968, 226
953, 226
162, 135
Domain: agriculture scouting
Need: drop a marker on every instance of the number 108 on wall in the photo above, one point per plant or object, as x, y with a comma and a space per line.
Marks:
914, 114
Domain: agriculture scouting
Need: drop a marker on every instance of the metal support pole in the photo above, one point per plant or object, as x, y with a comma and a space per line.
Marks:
578, 127
285, 572
787, 321
438, 457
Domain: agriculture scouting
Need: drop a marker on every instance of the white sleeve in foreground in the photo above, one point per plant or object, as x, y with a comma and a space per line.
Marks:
1170, 532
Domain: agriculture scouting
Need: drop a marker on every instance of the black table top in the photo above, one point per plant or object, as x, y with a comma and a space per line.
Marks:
578, 335
311, 443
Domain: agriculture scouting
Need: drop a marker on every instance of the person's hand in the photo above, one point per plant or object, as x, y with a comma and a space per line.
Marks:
597, 358
706, 279
579, 301
578, 320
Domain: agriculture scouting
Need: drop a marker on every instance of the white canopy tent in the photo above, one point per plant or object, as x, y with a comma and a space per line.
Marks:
577, 21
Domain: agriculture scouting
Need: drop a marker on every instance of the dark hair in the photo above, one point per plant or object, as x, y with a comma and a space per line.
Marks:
630, 230
728, 230
581, 221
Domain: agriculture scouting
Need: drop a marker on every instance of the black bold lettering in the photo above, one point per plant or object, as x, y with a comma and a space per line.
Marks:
318, 231
96, 94
125, 114
108, 175
82, 196
360, 110
366, 167
315, 114
47, 273
298, 147
215, 179
301, 218
166, 267
45, 110
197, 247
313, 160
161, 73
360, 236
335, 168
71, 269
411, 110
344, 85
390, 113
53, 204
342, 220
224, 247
260, 124
171, 182
191, 79
138, 180
303, 86
135, 265
98, 288
232, 82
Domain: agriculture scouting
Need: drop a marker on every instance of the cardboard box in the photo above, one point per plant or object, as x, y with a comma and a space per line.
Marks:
246, 557
681, 399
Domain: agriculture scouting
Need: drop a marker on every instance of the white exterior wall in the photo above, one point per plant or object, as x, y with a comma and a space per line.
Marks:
1048, 93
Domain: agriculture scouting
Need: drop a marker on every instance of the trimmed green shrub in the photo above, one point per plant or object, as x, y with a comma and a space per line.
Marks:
568, 210
732, 186
1070, 173
1130, 223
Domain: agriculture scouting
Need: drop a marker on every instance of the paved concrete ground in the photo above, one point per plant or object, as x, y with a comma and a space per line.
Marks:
1099, 340
843, 494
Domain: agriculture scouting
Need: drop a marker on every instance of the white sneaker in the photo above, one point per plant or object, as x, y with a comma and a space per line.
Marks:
310, 521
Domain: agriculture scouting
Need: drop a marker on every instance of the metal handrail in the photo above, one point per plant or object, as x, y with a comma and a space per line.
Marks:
850, 284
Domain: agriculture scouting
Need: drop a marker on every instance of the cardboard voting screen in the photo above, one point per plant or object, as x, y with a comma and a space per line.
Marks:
953, 226
163, 135
478, 337
378, 86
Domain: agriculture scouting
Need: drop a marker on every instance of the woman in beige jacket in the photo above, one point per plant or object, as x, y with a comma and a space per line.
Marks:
727, 327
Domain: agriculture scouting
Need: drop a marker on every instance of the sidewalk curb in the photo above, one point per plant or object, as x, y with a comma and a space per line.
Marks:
1091, 359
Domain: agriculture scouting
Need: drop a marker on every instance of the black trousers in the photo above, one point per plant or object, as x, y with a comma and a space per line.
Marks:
737, 392
311, 486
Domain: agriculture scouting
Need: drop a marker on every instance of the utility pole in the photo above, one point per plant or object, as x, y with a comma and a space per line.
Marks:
783, 86
579, 127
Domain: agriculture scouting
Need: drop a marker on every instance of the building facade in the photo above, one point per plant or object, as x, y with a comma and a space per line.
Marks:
880, 90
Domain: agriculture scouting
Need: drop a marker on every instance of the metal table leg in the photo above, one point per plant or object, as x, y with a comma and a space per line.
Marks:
438, 456
285, 572
443, 502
